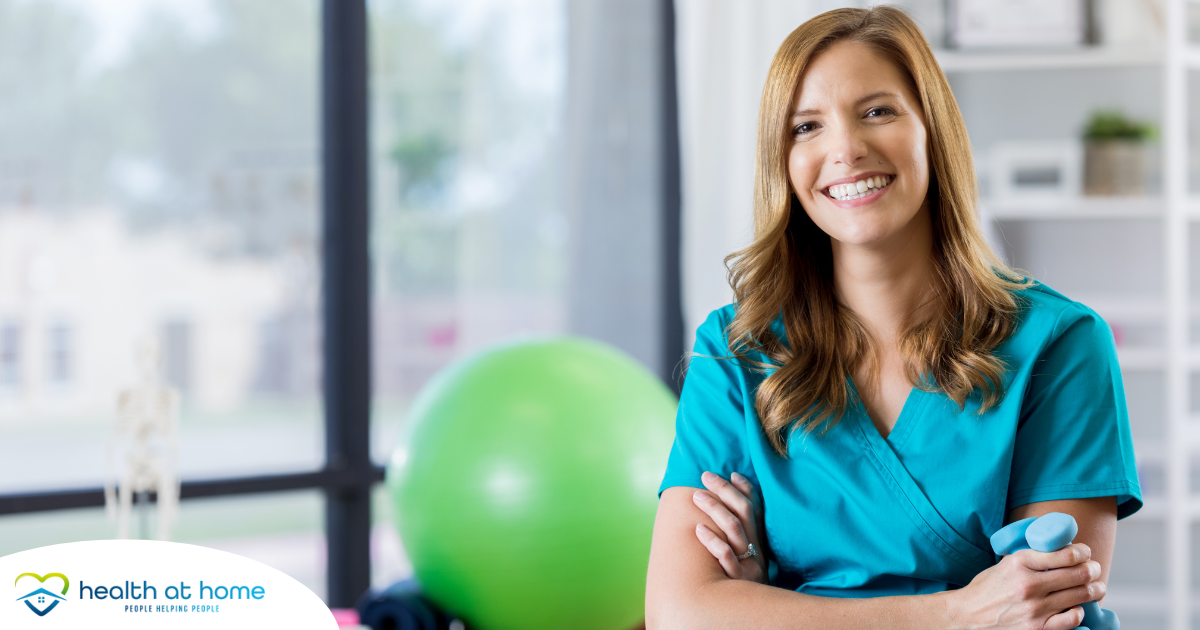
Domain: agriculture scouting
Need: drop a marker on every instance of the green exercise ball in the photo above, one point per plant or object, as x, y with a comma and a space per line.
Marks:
526, 485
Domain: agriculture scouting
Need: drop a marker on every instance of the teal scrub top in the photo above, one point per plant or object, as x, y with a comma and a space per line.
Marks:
851, 514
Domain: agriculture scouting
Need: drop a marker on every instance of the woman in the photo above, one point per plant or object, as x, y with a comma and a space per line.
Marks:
886, 389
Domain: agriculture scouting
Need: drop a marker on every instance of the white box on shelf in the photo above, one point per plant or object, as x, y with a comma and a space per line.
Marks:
1017, 23
1036, 170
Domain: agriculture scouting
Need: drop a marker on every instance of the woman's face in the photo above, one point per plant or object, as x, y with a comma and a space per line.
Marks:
858, 161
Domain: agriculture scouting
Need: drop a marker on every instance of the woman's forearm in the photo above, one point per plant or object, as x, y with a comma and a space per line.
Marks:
725, 603
686, 588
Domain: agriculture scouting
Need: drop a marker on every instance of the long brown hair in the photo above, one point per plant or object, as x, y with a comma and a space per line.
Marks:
787, 272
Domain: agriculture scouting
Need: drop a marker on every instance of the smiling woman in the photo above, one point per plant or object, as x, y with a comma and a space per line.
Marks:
868, 413
886, 125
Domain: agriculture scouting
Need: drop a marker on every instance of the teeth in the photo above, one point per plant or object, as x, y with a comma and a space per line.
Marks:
846, 192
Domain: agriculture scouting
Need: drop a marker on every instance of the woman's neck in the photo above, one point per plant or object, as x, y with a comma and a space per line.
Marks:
886, 282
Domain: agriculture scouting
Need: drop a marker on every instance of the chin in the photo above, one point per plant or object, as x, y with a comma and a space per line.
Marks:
863, 234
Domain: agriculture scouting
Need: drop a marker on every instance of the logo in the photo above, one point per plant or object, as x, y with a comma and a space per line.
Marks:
36, 600
151, 585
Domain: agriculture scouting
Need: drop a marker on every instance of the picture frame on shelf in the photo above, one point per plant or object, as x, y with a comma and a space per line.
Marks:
1016, 24
1036, 170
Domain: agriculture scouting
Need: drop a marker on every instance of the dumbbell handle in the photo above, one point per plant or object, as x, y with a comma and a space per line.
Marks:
1051, 532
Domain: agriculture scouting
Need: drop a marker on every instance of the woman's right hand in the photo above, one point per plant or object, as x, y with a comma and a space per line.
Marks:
731, 505
1030, 590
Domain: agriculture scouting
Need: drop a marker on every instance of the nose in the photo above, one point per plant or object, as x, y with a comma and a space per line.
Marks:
848, 145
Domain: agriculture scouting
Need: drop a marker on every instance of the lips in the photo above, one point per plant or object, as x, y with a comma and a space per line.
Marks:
859, 187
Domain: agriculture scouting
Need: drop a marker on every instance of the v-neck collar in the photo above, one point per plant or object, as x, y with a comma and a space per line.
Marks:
909, 413
884, 456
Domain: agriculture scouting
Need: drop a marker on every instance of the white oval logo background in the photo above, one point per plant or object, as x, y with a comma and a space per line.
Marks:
237, 592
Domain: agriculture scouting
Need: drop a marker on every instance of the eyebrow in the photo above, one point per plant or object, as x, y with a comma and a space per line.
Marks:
870, 97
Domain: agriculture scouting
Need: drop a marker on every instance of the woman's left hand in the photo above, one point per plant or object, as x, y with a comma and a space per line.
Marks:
730, 505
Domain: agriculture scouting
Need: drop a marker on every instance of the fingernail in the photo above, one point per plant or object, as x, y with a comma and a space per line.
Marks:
1093, 569
737, 477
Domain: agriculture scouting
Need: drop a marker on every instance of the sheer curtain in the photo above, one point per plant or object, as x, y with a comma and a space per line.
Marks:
724, 50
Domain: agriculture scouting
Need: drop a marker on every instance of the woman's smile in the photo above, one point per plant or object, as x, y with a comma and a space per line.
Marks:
859, 190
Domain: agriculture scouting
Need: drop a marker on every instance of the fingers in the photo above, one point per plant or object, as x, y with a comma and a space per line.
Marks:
730, 524
1068, 556
742, 484
721, 551
1067, 598
1067, 577
1065, 620
733, 498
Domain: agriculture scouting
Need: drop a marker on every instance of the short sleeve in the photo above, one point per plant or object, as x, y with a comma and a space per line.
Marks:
710, 433
1073, 439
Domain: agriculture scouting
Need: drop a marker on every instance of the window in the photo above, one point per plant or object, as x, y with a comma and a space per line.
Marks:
159, 184
163, 183
469, 231
159, 188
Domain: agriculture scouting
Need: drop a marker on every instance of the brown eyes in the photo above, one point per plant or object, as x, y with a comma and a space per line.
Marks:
804, 128
875, 112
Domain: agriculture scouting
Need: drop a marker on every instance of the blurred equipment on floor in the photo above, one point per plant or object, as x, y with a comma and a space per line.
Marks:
403, 607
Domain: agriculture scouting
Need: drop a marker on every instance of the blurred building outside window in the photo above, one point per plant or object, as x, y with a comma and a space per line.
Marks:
159, 181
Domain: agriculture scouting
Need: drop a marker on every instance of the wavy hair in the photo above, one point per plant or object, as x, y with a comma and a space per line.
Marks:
787, 272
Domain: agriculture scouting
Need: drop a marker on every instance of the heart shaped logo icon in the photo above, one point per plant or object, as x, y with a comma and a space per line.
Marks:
40, 600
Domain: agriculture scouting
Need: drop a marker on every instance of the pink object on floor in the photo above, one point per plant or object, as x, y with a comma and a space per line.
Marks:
345, 616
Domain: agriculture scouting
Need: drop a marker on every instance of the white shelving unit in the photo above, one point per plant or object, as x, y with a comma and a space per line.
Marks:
1079, 208
1180, 507
1177, 510
1087, 207
1100, 57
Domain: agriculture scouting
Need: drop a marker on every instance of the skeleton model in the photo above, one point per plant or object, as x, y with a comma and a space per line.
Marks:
143, 445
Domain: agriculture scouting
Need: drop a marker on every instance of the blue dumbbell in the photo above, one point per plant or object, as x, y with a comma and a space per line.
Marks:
1051, 532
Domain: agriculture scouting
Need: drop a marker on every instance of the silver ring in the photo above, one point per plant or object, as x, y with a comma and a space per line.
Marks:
750, 552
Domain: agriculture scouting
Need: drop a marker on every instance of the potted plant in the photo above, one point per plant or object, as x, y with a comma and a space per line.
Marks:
1114, 157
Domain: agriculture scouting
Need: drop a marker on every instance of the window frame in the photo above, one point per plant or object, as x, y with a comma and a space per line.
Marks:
349, 474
